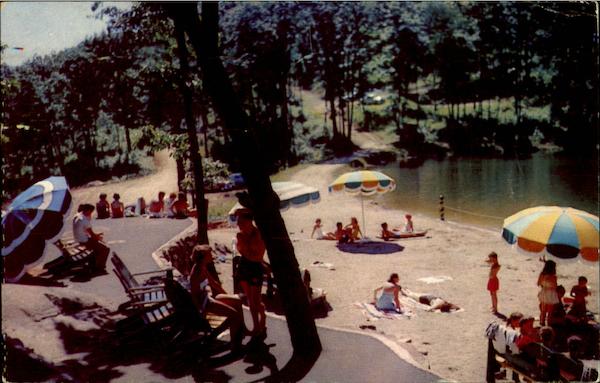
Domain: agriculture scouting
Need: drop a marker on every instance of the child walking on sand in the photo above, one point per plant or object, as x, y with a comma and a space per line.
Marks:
493, 282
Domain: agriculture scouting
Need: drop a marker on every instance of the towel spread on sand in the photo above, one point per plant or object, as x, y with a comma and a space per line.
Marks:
372, 313
435, 279
408, 309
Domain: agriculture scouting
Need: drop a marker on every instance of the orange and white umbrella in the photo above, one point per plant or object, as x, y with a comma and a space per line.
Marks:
562, 233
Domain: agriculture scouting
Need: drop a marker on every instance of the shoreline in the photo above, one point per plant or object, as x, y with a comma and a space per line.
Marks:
451, 249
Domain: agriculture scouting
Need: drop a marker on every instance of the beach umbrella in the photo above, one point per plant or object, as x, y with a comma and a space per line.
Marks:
562, 233
365, 183
291, 194
34, 217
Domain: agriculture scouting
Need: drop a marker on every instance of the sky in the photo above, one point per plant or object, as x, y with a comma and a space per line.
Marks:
43, 27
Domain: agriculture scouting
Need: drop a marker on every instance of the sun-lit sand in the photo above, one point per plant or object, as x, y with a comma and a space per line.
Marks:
451, 345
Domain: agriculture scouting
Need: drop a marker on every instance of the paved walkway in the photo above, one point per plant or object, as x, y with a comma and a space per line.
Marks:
346, 356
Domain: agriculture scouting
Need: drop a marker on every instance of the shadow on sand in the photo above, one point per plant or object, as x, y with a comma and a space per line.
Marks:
372, 247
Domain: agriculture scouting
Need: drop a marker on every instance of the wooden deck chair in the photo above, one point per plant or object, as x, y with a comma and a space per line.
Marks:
146, 323
73, 255
139, 294
191, 320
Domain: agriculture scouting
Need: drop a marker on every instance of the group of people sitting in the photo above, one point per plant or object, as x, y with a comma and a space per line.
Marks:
538, 347
389, 298
175, 206
352, 232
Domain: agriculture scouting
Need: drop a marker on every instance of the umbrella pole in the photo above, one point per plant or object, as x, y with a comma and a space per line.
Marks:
362, 204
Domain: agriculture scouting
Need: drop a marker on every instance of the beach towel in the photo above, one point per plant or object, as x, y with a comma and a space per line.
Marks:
373, 313
435, 279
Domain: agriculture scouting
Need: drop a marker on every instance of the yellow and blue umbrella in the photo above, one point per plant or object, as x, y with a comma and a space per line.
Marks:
562, 233
363, 182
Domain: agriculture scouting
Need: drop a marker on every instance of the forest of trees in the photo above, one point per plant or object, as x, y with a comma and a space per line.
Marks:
475, 78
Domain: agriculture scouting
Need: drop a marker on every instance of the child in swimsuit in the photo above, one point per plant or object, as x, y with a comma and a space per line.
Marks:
493, 282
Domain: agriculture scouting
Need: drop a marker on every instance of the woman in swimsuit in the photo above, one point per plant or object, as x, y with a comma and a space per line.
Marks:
547, 296
388, 300
353, 230
218, 302
493, 282
250, 271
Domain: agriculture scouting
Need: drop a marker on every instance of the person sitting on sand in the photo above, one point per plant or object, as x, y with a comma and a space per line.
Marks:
102, 207
386, 234
157, 206
353, 230
434, 302
318, 230
218, 302
388, 300
341, 234
116, 206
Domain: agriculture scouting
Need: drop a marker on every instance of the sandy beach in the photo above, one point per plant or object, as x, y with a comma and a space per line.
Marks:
450, 345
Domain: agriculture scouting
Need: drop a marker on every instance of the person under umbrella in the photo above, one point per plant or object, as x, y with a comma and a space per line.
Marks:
83, 233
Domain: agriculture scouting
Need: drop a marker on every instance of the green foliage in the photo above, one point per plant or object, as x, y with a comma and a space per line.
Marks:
486, 68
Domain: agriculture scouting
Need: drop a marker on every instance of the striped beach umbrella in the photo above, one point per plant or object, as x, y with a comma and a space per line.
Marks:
562, 233
291, 194
34, 217
365, 183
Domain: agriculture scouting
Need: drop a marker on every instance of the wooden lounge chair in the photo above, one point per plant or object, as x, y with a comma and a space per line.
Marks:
139, 294
173, 323
74, 255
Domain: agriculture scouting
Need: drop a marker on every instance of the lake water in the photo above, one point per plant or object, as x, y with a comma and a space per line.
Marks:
485, 191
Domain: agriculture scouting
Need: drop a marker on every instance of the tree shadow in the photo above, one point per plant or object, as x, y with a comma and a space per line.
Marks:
372, 247
40, 280
294, 370
319, 307
94, 354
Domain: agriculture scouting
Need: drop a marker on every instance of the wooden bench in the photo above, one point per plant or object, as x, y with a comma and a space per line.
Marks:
543, 365
73, 254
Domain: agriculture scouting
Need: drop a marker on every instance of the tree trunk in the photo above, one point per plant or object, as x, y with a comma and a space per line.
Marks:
180, 173
205, 130
303, 332
190, 122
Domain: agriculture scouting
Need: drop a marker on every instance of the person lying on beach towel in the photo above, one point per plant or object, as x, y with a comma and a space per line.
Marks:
435, 303
386, 234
